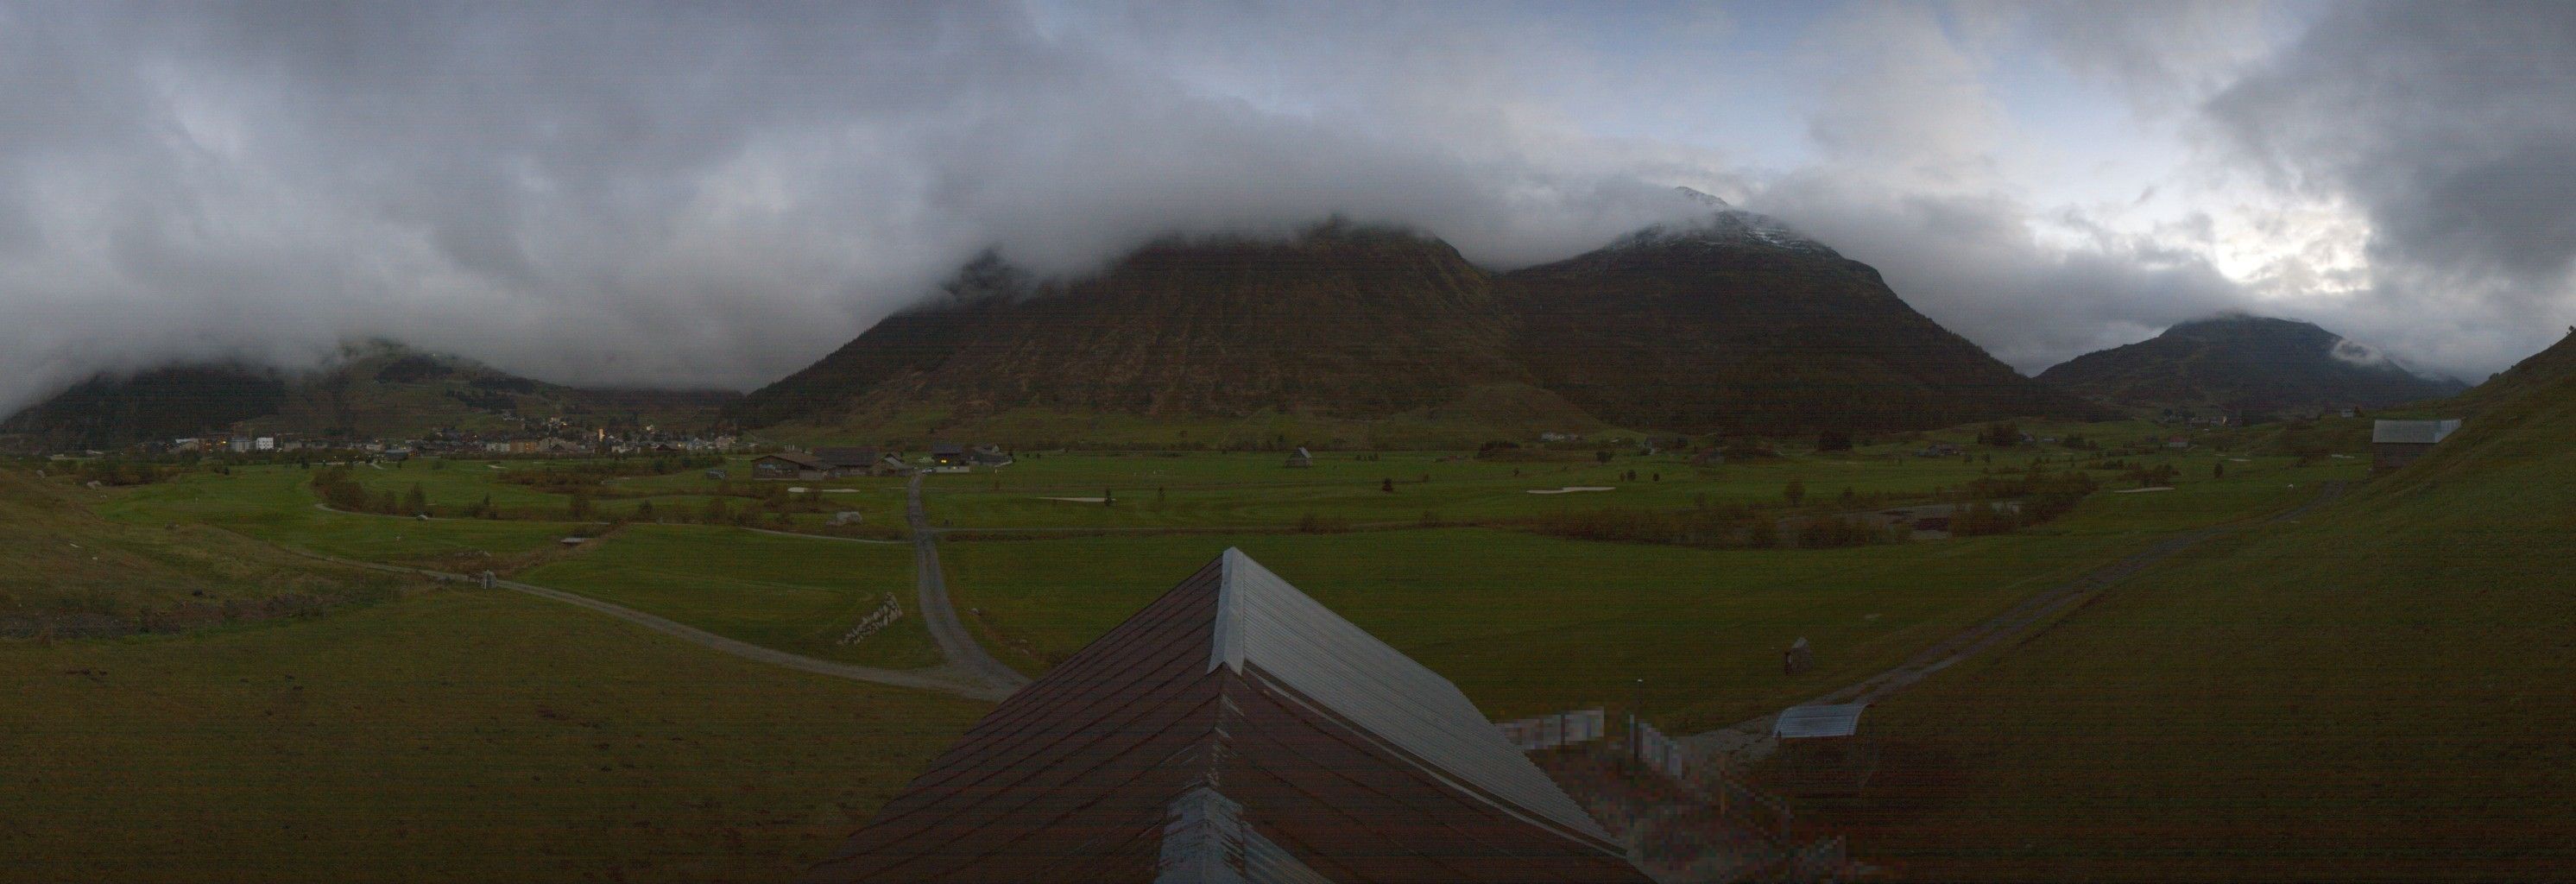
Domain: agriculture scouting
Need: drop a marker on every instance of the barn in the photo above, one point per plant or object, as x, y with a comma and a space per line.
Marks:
788, 465
2394, 444
1234, 730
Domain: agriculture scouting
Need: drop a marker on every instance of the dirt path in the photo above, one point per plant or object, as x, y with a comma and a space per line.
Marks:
1752, 736
955, 642
946, 679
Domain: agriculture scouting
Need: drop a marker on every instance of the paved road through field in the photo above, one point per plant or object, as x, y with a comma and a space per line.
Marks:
956, 643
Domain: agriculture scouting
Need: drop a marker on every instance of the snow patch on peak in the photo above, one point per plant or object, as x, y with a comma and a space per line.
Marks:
1729, 226
1702, 197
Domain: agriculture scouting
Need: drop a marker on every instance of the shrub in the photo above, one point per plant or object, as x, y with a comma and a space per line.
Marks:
1837, 531
1311, 523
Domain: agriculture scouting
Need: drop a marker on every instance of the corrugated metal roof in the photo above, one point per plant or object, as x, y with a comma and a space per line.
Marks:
2412, 432
1801, 722
1137, 738
1263, 621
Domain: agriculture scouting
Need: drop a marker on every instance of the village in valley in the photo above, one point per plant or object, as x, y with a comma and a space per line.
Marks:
1129, 443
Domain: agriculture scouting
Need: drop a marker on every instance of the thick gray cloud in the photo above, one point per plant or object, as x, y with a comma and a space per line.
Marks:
2449, 126
608, 193
708, 195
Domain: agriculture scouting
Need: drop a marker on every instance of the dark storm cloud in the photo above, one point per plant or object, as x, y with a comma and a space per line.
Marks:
2450, 126
615, 193
717, 194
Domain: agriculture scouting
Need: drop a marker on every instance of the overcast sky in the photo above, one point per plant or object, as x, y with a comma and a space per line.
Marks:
715, 195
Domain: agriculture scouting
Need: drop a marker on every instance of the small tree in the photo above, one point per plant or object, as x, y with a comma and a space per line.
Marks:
644, 511
1602, 455
579, 505
1833, 440
2218, 470
1795, 493
1387, 485
416, 500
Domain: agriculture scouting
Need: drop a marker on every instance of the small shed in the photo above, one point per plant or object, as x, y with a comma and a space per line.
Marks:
2395, 444
1798, 658
1818, 721
1301, 459
1820, 751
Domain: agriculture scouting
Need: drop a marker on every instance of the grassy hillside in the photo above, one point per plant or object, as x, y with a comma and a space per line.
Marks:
436, 732
372, 389
457, 735
73, 573
2378, 691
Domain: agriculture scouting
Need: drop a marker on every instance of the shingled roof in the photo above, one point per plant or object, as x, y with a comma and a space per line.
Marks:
1234, 730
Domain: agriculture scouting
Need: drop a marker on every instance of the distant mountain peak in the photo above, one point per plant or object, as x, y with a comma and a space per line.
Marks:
1702, 197
1728, 227
2240, 361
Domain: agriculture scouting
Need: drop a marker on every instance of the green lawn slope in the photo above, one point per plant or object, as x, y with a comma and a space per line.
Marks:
2379, 691
453, 735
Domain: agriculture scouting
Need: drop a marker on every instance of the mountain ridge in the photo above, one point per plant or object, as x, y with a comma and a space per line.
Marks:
2239, 362
375, 388
1729, 322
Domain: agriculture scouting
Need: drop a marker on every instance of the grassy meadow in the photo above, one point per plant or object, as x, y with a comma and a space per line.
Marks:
1528, 623
791, 593
454, 734
2378, 691
464, 734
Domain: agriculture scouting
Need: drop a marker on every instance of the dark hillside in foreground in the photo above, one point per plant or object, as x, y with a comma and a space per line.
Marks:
1730, 324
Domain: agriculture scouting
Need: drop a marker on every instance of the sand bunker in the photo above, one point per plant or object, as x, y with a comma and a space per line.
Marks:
1571, 489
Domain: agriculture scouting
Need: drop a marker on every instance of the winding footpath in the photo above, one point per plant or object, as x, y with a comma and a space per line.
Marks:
1752, 736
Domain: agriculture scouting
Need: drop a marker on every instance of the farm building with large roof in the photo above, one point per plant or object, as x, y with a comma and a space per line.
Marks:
1234, 730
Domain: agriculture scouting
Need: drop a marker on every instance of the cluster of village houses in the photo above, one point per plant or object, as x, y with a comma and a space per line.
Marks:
563, 441
828, 462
